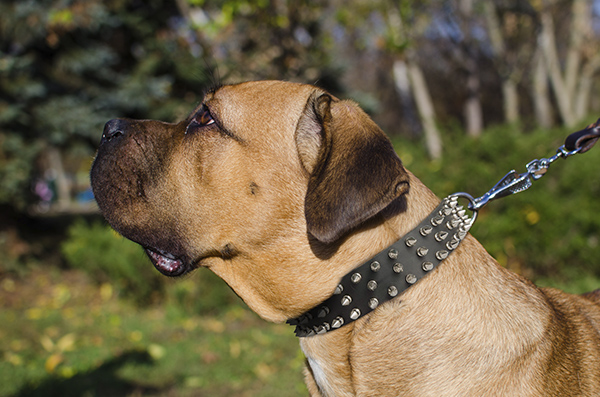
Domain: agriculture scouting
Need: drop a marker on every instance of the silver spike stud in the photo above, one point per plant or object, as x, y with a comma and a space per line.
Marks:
375, 266
339, 289
451, 224
354, 314
392, 291
355, 278
393, 253
324, 311
410, 241
300, 332
437, 220
373, 303
422, 251
411, 278
346, 300
425, 230
337, 322
427, 266
453, 201
320, 330
372, 285
441, 255
398, 268
439, 236
452, 244
446, 210
306, 332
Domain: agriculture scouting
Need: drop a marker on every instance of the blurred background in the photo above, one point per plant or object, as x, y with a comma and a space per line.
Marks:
466, 89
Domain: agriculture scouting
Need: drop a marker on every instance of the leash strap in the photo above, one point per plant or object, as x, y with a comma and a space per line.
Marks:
583, 140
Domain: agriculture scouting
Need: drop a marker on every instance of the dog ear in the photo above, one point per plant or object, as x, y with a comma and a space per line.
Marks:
354, 170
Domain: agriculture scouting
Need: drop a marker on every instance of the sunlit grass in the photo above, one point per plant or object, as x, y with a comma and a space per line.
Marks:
62, 335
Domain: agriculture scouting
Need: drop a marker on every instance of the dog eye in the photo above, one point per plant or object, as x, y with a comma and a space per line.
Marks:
202, 119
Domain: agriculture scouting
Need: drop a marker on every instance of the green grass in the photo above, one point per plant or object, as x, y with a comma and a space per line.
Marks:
64, 335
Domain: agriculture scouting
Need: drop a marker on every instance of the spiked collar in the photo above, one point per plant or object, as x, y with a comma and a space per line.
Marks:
390, 272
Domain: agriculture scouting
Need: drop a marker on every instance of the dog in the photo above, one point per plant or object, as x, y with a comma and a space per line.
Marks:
281, 189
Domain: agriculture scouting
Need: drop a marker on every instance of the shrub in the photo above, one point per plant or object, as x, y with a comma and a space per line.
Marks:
108, 257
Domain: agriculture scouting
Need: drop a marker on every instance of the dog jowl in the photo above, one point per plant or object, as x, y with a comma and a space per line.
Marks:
282, 189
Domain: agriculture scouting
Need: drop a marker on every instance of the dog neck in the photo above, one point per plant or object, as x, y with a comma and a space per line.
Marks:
389, 273
470, 295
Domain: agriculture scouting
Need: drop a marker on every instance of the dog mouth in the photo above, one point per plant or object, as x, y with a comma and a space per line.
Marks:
166, 263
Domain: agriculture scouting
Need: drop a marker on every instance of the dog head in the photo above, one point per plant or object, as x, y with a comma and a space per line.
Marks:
258, 172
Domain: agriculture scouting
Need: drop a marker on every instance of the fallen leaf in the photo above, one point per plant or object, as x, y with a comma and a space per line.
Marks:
235, 348
52, 362
66, 343
156, 351
47, 343
13, 358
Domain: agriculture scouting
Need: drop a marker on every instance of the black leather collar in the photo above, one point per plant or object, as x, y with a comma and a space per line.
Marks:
390, 272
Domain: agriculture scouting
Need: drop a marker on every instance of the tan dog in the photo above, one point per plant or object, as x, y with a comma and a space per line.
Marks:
281, 189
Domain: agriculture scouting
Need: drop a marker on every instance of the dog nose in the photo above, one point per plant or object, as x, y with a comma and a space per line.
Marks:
113, 129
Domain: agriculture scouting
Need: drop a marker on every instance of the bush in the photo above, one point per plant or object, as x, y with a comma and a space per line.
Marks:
201, 292
108, 257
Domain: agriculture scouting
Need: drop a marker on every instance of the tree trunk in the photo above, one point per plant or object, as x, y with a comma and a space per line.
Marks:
408, 78
425, 108
548, 44
402, 85
472, 109
569, 88
578, 30
510, 97
541, 99
63, 187
586, 83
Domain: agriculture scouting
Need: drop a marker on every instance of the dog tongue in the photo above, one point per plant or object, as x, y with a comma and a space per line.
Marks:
168, 266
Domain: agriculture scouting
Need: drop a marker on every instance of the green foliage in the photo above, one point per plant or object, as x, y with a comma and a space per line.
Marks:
108, 257
16, 166
552, 229
267, 40
199, 293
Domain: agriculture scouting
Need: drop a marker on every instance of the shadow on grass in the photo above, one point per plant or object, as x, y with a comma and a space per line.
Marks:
103, 381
